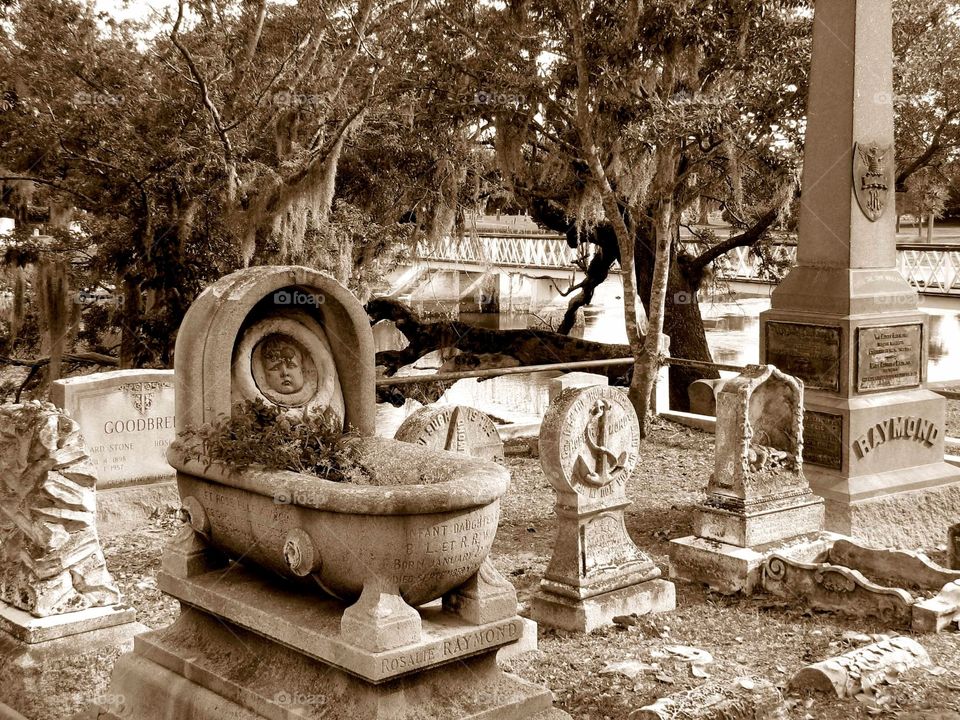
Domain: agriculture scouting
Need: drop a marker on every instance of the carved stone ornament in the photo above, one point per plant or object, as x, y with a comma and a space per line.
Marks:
50, 556
873, 178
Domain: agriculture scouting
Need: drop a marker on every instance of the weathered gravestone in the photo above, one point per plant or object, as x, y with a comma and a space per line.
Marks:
126, 418
57, 598
588, 449
844, 320
758, 500
456, 428
372, 598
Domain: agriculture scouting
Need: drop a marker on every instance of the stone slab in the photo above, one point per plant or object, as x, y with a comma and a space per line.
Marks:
899, 568
939, 612
526, 644
122, 509
587, 615
29, 629
33, 673
310, 623
730, 569
127, 421
911, 519
204, 668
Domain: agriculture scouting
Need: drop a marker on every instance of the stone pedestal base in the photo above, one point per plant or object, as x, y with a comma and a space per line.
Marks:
36, 654
909, 519
731, 569
590, 613
205, 668
757, 525
247, 647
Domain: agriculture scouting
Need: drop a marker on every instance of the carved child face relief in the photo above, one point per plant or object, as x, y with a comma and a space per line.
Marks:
282, 364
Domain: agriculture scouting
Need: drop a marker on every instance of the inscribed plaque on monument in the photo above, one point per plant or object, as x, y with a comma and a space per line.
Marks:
823, 439
889, 356
808, 352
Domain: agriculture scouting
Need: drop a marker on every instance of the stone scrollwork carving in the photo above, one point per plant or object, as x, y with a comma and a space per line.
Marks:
50, 556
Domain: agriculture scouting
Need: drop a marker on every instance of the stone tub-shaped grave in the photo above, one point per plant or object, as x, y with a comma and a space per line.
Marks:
421, 529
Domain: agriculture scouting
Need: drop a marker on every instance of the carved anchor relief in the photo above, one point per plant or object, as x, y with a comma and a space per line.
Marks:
595, 436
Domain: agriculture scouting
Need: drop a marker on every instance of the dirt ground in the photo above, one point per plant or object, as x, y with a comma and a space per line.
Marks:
757, 637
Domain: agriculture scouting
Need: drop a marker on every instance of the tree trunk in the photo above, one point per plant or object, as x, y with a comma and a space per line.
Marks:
645, 374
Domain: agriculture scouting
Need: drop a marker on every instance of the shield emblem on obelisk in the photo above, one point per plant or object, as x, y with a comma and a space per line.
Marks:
872, 178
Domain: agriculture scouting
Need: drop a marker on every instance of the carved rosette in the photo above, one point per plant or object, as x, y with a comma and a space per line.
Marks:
50, 556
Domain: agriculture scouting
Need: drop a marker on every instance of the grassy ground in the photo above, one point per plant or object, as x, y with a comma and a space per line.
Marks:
756, 637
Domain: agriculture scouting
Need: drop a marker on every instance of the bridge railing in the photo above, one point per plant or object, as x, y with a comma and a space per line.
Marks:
934, 269
534, 251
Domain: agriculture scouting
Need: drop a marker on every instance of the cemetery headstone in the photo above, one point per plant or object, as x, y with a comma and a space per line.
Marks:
379, 600
588, 450
844, 320
57, 597
456, 428
758, 500
127, 421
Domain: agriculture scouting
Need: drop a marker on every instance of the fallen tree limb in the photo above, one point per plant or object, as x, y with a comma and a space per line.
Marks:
485, 348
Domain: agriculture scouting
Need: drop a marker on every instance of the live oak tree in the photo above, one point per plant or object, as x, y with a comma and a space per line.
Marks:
927, 102
611, 120
203, 140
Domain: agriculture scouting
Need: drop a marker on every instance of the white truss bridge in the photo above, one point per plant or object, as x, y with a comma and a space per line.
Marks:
934, 269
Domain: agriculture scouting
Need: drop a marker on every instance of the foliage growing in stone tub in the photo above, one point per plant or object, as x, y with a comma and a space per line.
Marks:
50, 556
259, 434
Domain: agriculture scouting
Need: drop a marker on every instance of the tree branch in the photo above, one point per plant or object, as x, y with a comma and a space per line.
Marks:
745, 239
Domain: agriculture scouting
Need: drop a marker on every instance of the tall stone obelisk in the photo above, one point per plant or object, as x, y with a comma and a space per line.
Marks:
844, 320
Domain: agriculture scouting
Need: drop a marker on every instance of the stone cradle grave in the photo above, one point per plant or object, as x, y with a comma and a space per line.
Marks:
455, 428
127, 421
899, 587
757, 500
59, 605
367, 600
844, 320
588, 449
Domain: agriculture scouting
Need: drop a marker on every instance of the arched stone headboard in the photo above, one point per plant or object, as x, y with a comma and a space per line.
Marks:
212, 326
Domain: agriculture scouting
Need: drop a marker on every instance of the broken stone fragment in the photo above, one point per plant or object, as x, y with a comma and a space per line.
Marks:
742, 699
849, 674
